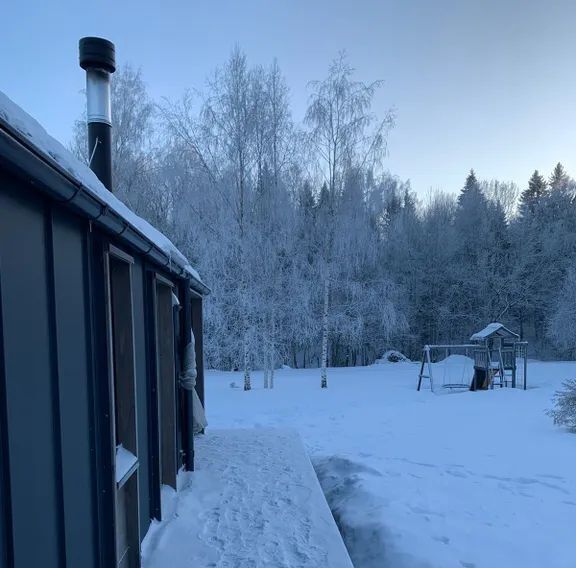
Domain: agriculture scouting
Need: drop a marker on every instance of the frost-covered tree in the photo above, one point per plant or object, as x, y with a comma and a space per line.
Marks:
559, 179
504, 194
562, 322
564, 411
471, 258
544, 248
344, 134
532, 195
230, 117
133, 160
314, 255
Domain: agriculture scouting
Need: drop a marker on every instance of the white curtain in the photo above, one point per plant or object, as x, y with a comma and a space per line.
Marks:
188, 382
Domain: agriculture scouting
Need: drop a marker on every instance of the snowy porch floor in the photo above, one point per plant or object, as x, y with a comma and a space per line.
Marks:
254, 501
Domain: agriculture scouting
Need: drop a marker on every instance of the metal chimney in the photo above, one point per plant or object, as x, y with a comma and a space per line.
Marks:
97, 57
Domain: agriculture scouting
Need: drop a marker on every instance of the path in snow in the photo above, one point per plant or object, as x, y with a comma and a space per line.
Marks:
464, 480
254, 501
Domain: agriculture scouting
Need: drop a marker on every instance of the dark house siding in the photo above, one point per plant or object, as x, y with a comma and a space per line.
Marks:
72, 331
5, 508
57, 487
33, 423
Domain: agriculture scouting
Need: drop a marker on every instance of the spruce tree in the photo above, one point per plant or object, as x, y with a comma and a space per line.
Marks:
531, 196
471, 181
306, 198
559, 178
471, 211
472, 236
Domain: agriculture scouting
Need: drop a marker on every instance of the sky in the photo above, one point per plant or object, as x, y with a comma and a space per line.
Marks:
483, 84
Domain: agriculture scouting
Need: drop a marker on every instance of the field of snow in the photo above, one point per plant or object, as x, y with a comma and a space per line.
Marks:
416, 479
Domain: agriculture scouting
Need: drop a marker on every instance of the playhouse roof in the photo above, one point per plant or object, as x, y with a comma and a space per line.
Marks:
87, 190
494, 329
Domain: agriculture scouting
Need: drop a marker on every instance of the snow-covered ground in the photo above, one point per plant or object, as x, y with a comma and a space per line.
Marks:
473, 480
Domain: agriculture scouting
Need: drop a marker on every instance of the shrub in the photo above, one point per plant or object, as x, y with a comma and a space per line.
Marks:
564, 411
392, 356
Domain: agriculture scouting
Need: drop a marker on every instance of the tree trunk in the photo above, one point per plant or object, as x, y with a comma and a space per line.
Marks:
272, 360
324, 371
271, 350
247, 385
265, 367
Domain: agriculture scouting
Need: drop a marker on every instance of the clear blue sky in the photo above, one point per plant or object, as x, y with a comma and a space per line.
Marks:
489, 85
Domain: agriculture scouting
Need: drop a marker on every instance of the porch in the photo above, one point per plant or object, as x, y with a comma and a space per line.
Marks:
253, 501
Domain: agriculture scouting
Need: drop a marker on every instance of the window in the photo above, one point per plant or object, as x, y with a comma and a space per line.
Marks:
166, 377
121, 347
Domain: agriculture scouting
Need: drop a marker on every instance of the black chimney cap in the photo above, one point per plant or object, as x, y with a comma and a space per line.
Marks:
98, 53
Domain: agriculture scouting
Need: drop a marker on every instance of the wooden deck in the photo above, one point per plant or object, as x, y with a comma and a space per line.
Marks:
254, 501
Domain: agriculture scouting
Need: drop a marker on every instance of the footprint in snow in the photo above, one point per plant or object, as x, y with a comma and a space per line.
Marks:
456, 473
550, 476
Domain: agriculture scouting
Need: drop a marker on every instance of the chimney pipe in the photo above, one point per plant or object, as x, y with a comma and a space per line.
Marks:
97, 57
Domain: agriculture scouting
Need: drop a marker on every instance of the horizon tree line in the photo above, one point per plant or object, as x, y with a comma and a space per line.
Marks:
317, 256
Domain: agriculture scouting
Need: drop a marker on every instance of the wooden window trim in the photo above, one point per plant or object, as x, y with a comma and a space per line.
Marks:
160, 281
163, 280
114, 254
121, 255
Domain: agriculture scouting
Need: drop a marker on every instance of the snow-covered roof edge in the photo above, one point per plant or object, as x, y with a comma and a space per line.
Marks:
31, 130
490, 329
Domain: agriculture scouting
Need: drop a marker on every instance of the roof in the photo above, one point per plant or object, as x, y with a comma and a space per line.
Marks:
85, 189
494, 329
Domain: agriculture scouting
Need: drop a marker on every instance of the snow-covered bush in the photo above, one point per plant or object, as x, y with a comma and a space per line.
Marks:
564, 411
392, 356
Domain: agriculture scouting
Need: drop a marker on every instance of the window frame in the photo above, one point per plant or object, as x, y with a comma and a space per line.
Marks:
127, 487
165, 478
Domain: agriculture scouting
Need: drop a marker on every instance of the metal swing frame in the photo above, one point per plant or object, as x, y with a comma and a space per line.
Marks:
426, 365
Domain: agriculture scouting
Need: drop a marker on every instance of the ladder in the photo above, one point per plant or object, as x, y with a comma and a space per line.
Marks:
504, 378
425, 362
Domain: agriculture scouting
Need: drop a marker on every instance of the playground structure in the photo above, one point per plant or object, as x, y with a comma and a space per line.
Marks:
494, 357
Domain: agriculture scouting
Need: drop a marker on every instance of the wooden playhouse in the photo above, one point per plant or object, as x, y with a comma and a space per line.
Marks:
497, 351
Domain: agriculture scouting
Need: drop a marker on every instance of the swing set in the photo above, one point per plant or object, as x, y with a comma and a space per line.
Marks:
495, 357
447, 366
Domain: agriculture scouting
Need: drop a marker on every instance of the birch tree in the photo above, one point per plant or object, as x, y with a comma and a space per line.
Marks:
345, 134
228, 115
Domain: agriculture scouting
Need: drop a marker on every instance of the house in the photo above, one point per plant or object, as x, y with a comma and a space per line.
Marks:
96, 308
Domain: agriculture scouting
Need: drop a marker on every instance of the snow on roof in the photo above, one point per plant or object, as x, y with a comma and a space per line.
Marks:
494, 328
29, 128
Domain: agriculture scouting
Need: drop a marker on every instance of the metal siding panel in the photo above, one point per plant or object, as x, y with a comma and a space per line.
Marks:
5, 506
33, 457
71, 309
102, 412
141, 393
